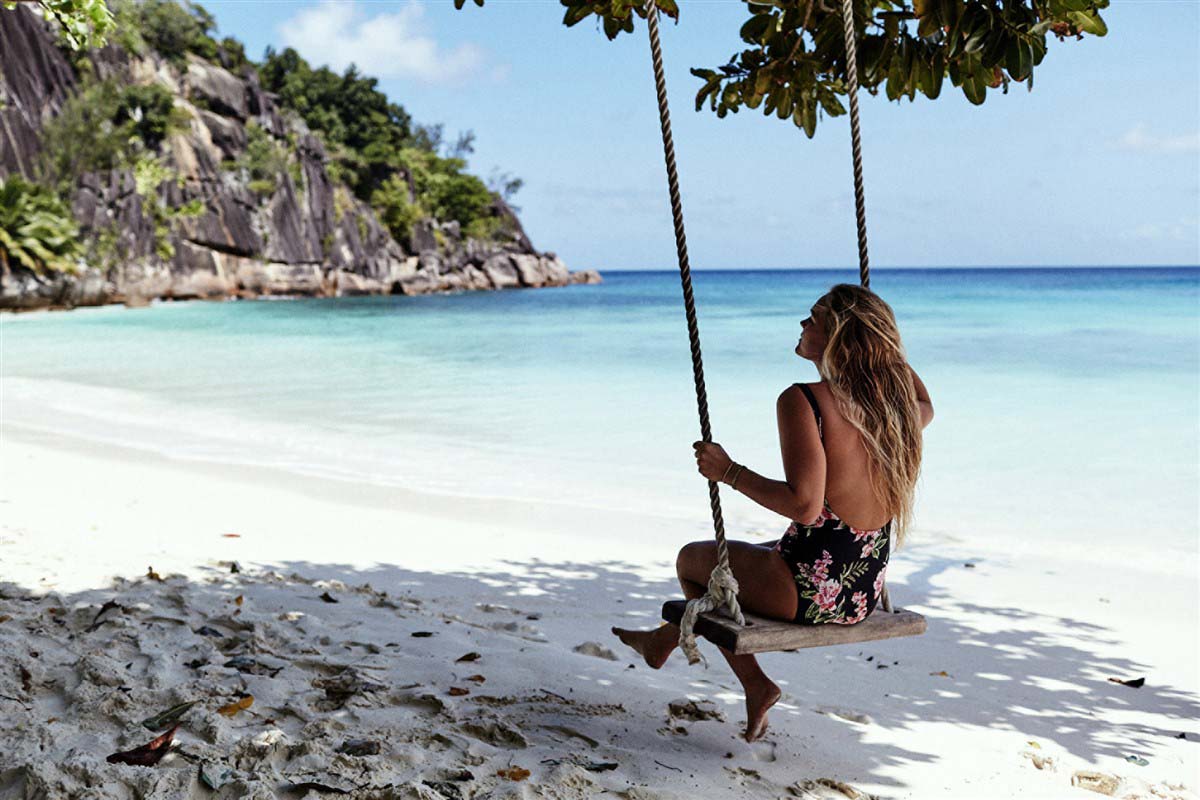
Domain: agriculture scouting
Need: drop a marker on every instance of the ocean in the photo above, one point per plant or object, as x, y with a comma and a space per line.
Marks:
1068, 400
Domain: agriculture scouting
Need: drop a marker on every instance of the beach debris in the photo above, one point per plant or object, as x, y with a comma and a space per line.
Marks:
237, 601
1040, 760
152, 575
600, 766
533, 617
214, 776
231, 536
820, 788
360, 747
694, 710
1141, 762
1135, 683
1181, 735
1098, 782
445, 789
5, 617
421, 634
514, 773
108, 606
205, 630
458, 691
234, 567
168, 717
475, 678
969, 565
148, 754
472, 656
305, 787
1032, 743
250, 666
328, 598
233, 709
942, 674
26, 679
347, 683
595, 649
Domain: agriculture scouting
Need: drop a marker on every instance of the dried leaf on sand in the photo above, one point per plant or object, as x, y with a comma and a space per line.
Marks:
152, 575
1135, 683
458, 691
236, 707
168, 717
328, 598
472, 656
148, 754
514, 773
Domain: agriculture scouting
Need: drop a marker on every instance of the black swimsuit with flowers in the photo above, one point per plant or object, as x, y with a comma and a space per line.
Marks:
838, 569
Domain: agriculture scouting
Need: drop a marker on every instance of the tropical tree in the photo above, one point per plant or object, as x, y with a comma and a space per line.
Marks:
82, 23
36, 229
794, 62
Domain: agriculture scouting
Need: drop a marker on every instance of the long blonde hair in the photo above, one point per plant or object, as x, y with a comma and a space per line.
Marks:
866, 370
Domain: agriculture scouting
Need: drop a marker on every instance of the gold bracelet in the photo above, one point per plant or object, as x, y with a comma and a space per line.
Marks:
736, 475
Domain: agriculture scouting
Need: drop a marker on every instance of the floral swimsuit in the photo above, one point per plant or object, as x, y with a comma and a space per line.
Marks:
838, 569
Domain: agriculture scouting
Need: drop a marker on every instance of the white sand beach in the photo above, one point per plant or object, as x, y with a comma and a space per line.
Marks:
1008, 693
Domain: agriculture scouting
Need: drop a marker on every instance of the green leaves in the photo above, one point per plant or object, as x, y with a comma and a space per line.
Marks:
795, 65
81, 23
37, 230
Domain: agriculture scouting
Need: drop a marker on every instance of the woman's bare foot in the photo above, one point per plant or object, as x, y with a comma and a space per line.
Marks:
758, 701
654, 646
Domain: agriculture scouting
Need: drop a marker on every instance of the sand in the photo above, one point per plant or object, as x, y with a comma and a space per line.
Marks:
406, 645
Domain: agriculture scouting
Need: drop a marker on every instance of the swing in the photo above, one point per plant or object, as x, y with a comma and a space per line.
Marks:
732, 629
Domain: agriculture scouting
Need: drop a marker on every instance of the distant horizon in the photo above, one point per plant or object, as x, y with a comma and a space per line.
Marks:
902, 268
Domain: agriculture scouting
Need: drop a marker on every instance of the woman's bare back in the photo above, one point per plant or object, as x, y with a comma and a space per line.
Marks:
847, 478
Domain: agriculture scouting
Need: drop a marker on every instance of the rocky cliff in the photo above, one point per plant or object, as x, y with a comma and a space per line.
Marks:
307, 236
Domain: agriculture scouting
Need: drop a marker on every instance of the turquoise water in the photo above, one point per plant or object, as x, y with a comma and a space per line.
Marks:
1067, 400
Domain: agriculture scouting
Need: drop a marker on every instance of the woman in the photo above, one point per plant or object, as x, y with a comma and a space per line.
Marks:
851, 447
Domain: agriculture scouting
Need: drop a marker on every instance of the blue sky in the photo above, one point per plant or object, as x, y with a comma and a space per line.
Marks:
1099, 165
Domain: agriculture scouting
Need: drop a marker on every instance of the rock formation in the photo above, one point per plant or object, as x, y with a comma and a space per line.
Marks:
309, 236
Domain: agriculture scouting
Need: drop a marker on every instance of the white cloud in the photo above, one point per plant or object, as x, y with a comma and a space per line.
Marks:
1141, 139
387, 45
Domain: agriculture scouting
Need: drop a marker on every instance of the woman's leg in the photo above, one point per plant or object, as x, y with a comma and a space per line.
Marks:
769, 591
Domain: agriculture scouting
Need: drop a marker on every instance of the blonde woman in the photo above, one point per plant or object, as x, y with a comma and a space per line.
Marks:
851, 447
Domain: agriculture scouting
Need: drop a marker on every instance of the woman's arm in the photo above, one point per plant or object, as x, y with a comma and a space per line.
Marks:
801, 495
922, 397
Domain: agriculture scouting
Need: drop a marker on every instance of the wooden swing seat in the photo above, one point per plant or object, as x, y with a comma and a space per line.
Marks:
763, 635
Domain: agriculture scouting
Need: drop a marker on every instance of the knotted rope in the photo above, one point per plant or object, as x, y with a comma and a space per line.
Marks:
722, 587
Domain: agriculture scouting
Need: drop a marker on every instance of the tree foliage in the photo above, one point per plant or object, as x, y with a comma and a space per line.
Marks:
105, 126
794, 62
81, 23
37, 230
365, 130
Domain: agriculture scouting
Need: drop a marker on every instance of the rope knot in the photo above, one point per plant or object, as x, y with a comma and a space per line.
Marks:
722, 597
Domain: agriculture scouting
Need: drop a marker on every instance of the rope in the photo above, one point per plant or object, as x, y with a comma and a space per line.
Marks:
860, 203
722, 586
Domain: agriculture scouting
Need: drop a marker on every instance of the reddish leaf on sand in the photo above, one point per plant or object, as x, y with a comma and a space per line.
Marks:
231, 536
148, 754
239, 600
476, 678
458, 691
472, 656
514, 773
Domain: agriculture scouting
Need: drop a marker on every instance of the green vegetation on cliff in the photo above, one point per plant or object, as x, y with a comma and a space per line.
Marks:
36, 228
